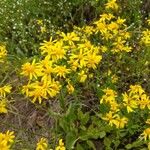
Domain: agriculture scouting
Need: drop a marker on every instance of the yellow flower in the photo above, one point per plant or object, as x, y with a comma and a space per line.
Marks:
100, 26
104, 49
57, 51
146, 37
51, 88
130, 101
70, 37
109, 96
70, 88
88, 30
61, 71
112, 5
114, 78
38, 94
82, 76
3, 52
47, 46
26, 89
93, 59
42, 144
120, 21
113, 26
146, 134
3, 105
31, 70
47, 69
111, 118
6, 140
120, 122
114, 106
80, 58
60, 146
4, 90
43, 29
136, 89
144, 101
148, 121
148, 21
106, 16
39, 22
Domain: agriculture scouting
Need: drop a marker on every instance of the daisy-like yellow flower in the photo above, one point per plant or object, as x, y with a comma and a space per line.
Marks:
146, 134
88, 30
42, 144
130, 101
70, 37
38, 94
111, 4
136, 89
120, 21
6, 140
121, 122
111, 118
61, 71
144, 101
51, 88
4, 90
93, 59
3, 105
47, 46
80, 58
109, 97
106, 16
58, 51
31, 70
61, 145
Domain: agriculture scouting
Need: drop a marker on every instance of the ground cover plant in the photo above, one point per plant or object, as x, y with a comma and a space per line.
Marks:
77, 77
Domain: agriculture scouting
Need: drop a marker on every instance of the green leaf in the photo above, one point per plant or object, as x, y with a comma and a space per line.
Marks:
79, 147
71, 139
107, 142
102, 134
128, 146
91, 145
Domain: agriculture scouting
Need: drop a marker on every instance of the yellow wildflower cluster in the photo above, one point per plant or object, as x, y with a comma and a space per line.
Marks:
133, 99
112, 117
136, 97
3, 53
6, 140
73, 55
4, 90
68, 56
